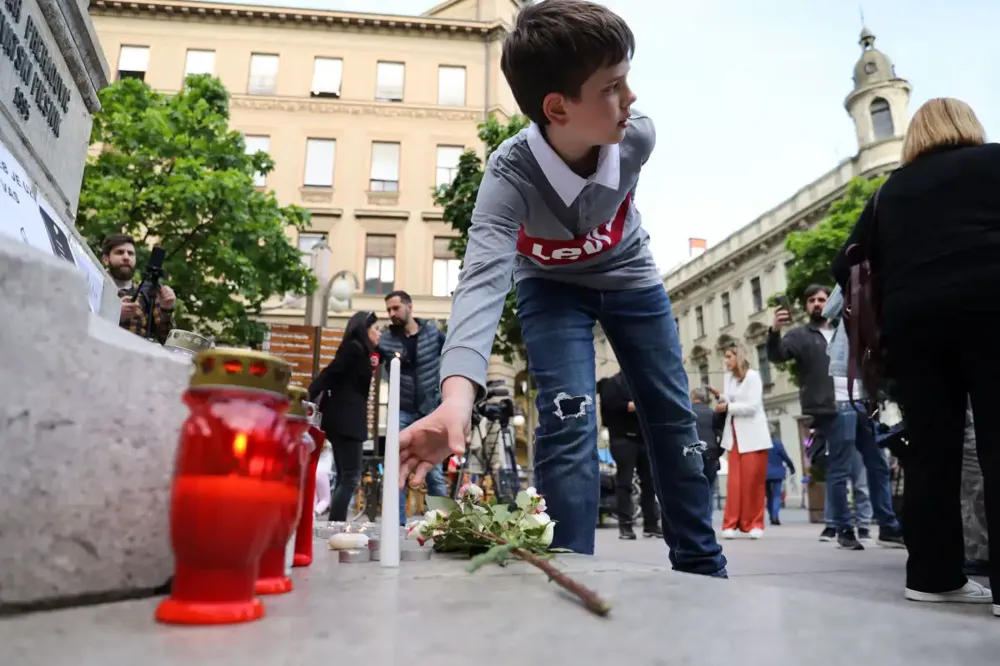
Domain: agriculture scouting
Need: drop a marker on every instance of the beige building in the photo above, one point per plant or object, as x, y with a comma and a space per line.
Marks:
363, 115
722, 294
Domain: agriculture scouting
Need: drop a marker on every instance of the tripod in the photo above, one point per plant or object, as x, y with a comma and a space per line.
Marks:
504, 479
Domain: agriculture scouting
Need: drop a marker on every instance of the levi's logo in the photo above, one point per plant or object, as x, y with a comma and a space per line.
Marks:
550, 252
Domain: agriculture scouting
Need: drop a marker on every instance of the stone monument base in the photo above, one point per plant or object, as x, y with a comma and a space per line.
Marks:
89, 420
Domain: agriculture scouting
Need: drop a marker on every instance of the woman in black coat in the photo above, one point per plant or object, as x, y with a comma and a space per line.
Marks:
343, 388
933, 240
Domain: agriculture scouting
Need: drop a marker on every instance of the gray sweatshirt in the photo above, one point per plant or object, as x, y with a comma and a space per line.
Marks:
535, 218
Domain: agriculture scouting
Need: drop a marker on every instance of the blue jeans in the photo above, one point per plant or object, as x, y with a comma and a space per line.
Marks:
862, 501
846, 432
557, 323
773, 496
435, 477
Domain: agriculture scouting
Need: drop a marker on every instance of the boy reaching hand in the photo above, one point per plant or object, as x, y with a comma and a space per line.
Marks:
556, 211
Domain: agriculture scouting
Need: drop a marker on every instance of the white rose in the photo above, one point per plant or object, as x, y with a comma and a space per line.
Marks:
435, 517
418, 532
550, 530
474, 492
532, 492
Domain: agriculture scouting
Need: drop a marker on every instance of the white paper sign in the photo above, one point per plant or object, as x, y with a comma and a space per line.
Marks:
25, 215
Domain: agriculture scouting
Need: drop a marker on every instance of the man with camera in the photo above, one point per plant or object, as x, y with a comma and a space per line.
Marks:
845, 427
417, 343
118, 254
629, 451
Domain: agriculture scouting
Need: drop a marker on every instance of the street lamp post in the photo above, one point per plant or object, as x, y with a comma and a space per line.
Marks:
333, 293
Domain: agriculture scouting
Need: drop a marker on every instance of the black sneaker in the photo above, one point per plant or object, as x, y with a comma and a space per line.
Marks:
828, 534
652, 532
890, 537
864, 534
848, 541
775, 521
625, 532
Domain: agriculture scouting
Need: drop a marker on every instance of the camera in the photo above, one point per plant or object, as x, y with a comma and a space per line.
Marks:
497, 405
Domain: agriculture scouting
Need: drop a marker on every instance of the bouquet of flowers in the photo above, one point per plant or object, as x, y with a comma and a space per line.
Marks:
496, 533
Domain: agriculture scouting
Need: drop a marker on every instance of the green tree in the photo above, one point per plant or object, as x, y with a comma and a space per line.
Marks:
813, 250
459, 198
170, 172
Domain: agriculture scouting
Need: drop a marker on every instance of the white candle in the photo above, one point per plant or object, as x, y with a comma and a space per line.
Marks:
290, 555
389, 536
348, 541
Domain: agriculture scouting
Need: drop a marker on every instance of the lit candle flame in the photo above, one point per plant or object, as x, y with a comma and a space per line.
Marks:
240, 444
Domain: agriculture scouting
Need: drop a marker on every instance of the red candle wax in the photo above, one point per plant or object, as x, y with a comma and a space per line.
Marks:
271, 578
230, 482
304, 534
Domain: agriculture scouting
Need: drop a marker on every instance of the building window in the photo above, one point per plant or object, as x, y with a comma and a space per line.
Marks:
328, 74
320, 157
306, 243
699, 320
882, 119
756, 296
445, 269
133, 62
703, 375
447, 164
199, 62
727, 311
263, 74
258, 144
451, 86
385, 167
763, 365
380, 264
389, 81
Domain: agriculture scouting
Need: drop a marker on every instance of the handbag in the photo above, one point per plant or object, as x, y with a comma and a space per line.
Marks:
863, 316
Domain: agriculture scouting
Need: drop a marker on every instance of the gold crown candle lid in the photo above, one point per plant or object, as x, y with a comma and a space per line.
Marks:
297, 395
225, 367
178, 340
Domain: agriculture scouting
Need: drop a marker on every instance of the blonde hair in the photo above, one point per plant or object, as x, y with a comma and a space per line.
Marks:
742, 361
943, 121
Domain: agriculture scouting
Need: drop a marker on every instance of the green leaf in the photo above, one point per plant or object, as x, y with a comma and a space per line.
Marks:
501, 513
496, 555
445, 504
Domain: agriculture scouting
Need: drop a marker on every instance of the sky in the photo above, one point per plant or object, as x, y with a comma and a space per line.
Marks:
748, 95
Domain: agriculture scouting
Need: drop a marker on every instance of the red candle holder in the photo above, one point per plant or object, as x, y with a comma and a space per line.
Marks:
304, 534
272, 578
230, 482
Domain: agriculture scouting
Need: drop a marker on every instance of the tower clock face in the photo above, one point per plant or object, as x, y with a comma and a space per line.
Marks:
870, 68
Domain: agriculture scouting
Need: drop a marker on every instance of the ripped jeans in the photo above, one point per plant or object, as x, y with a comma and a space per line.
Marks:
557, 323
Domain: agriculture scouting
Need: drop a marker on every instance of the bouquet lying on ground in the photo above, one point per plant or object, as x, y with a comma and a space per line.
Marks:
496, 533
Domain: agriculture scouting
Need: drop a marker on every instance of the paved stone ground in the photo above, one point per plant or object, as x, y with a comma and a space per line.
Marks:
791, 600
791, 556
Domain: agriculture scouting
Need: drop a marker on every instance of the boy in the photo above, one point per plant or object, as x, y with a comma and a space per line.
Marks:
555, 210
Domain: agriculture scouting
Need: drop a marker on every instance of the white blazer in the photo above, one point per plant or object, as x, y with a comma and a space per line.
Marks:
746, 414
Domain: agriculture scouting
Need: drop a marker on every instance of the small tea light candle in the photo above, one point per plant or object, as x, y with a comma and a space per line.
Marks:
348, 541
354, 556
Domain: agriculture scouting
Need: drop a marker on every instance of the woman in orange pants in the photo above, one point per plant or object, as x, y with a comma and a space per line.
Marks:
747, 438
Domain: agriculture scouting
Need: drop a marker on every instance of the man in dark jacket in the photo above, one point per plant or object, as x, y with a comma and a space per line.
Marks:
709, 425
777, 461
845, 428
417, 343
630, 454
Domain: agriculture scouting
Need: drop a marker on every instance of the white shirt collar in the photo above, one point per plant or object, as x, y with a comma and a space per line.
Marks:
567, 184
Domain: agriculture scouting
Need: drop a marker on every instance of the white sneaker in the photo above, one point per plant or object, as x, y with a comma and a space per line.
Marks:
728, 534
756, 533
996, 610
970, 593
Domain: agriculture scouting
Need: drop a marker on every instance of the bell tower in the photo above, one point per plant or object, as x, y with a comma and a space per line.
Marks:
878, 104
